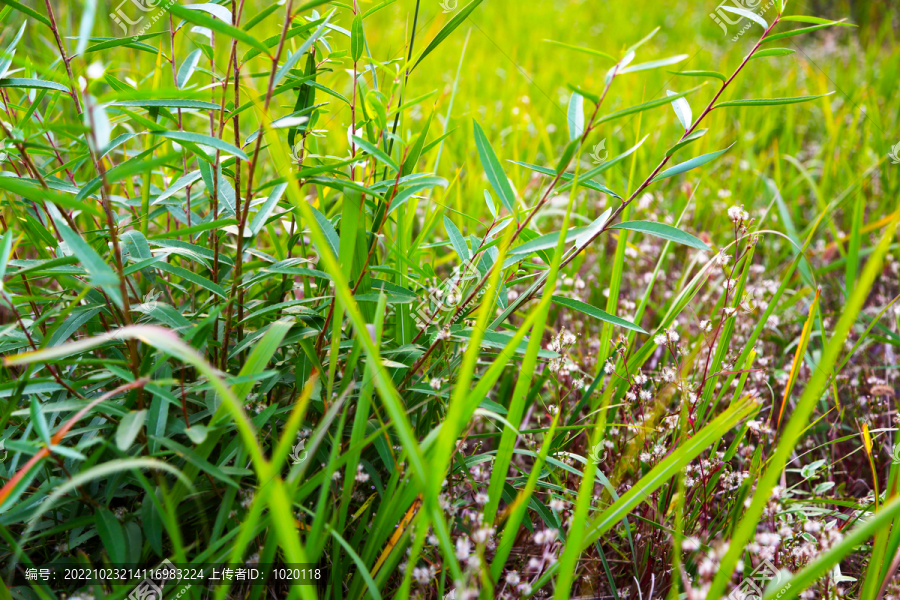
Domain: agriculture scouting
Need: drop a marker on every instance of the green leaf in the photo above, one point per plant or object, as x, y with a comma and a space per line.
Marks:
375, 151
801, 31
197, 433
205, 140
490, 203
493, 169
595, 312
5, 251
642, 41
260, 218
87, 24
696, 135
172, 103
357, 38
590, 96
196, 460
695, 162
666, 232
36, 84
748, 14
100, 272
27, 11
817, 20
127, 41
446, 30
772, 52
193, 278
111, 533
581, 49
456, 239
328, 229
40, 422
583, 180
294, 57
128, 429
682, 111
576, 116
187, 68
770, 101
664, 62
713, 74
645, 106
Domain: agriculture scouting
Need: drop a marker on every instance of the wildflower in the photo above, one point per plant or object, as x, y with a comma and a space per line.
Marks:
668, 374
443, 334
361, 475
483, 534
672, 335
722, 258
689, 544
422, 575
481, 498
463, 547
738, 214
545, 536
524, 589
729, 284
512, 578
557, 504
646, 395
706, 326
608, 367
729, 311
660, 339
436, 383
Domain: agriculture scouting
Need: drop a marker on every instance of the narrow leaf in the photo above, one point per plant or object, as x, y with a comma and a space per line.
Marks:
666, 232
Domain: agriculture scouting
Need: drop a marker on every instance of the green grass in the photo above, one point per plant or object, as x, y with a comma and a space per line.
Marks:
561, 299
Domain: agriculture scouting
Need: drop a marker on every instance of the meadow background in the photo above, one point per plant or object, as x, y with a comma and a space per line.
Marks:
740, 440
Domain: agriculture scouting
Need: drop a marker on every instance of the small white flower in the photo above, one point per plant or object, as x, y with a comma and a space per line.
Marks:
96, 70
689, 544
481, 498
557, 504
463, 547
545, 536
512, 578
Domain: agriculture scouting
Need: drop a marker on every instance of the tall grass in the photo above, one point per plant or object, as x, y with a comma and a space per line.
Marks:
500, 301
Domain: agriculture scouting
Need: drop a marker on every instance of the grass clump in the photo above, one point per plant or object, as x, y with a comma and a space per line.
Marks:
285, 289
